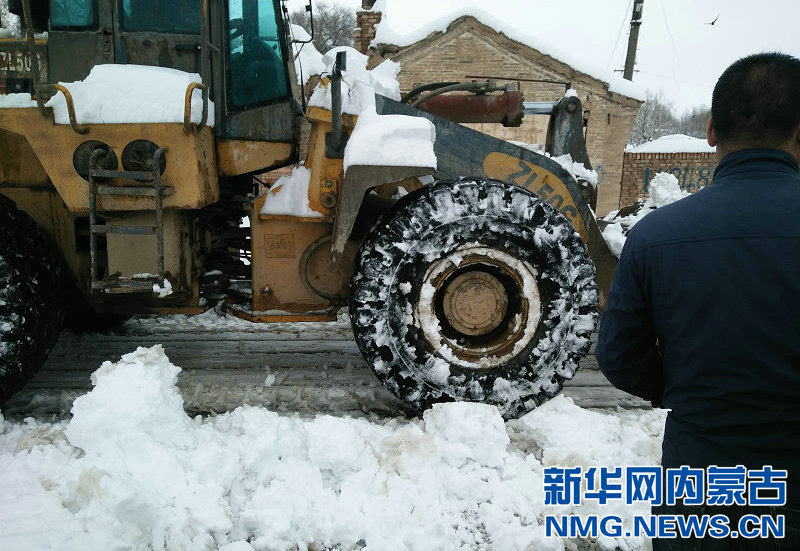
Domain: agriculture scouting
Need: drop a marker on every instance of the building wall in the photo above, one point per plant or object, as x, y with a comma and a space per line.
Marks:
693, 170
471, 51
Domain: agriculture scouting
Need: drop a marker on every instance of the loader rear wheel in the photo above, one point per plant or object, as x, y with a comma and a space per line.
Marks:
473, 290
30, 300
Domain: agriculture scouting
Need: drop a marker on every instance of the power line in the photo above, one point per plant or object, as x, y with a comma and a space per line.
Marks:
619, 33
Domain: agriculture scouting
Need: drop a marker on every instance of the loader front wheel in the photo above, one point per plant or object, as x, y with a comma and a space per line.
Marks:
473, 290
31, 313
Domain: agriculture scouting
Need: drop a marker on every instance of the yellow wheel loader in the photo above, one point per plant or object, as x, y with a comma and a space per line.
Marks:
482, 283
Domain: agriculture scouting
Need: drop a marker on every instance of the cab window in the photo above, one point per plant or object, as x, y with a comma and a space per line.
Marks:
176, 16
255, 49
72, 14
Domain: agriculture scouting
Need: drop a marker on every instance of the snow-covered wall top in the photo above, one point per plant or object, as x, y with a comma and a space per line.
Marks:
675, 143
389, 32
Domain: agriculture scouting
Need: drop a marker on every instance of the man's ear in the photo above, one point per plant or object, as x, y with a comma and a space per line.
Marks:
795, 144
711, 136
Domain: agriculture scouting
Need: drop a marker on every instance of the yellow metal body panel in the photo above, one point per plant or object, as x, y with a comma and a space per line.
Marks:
235, 157
542, 182
19, 166
191, 159
278, 244
327, 174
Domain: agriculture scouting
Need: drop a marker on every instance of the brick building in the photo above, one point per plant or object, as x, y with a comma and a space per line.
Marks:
471, 50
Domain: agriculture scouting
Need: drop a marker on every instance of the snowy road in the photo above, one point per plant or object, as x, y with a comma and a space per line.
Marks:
227, 362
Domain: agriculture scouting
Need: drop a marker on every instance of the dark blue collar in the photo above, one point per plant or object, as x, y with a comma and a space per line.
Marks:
757, 160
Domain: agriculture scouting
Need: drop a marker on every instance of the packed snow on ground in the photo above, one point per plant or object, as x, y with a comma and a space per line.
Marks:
131, 470
578, 170
387, 32
289, 195
675, 143
130, 94
307, 60
377, 140
664, 189
16, 101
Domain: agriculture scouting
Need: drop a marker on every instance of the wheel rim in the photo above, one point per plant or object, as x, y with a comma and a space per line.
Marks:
479, 307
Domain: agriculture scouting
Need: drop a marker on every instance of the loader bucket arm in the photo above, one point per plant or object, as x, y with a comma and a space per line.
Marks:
461, 151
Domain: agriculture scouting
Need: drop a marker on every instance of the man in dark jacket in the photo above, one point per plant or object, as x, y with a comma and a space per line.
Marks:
703, 316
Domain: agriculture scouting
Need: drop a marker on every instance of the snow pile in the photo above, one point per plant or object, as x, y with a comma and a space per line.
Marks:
675, 143
289, 195
663, 189
578, 170
359, 85
132, 471
386, 33
388, 140
307, 60
130, 94
14, 101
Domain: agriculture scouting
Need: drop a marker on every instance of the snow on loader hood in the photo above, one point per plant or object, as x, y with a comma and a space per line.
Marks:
130, 94
377, 140
131, 470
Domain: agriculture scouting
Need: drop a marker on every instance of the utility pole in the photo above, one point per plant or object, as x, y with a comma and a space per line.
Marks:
633, 39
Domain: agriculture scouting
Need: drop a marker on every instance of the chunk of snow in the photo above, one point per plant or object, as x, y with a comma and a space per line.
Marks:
675, 143
131, 470
163, 290
130, 94
571, 93
16, 101
391, 140
389, 32
664, 189
307, 60
289, 195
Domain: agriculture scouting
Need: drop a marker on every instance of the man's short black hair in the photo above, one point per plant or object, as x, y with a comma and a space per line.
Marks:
756, 101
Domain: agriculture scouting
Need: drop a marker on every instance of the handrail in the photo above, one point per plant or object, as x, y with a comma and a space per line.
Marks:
73, 120
31, 42
187, 106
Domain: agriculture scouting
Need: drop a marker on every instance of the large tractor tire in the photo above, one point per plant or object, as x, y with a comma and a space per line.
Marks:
30, 298
473, 290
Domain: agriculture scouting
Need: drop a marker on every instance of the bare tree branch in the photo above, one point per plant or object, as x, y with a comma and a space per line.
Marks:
333, 25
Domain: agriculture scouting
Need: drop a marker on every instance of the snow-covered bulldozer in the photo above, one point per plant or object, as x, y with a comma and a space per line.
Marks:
475, 285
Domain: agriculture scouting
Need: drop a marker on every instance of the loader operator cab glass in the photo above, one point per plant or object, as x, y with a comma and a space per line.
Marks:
255, 47
175, 16
72, 14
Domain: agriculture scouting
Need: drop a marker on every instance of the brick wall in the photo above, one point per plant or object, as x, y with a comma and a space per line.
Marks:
693, 170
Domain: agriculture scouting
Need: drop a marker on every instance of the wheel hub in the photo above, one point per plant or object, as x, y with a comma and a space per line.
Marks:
479, 307
475, 303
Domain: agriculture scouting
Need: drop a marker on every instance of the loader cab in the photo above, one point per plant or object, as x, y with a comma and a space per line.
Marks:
249, 70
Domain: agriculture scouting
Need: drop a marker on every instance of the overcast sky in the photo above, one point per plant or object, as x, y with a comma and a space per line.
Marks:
679, 54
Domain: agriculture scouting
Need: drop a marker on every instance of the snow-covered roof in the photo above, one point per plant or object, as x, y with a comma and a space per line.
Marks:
675, 143
389, 32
